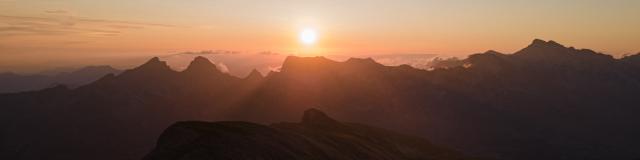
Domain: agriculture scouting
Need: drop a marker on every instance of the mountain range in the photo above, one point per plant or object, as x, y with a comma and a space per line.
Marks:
546, 101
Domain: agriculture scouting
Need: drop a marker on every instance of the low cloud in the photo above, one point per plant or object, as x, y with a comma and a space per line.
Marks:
222, 67
420, 61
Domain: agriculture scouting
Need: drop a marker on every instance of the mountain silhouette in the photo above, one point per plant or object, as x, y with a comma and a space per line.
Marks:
316, 137
546, 101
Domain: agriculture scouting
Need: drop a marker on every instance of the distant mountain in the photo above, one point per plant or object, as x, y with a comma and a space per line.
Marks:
546, 101
11, 82
316, 137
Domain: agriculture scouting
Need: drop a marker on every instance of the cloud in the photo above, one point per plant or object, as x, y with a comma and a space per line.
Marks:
205, 52
125, 22
56, 12
61, 24
222, 67
74, 42
119, 26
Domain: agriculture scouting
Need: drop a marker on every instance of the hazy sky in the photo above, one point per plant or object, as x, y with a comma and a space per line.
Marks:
37, 34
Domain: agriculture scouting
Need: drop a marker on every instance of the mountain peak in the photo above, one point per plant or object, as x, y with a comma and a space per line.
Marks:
154, 64
201, 65
254, 75
316, 117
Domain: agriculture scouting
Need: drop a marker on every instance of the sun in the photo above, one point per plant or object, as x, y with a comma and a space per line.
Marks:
308, 36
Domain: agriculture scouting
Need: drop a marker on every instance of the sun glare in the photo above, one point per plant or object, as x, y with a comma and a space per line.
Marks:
308, 36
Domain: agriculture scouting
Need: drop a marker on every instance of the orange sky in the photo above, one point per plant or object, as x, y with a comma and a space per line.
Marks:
39, 34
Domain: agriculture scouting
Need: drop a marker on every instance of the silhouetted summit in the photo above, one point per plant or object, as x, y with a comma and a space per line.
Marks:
201, 66
154, 64
243, 140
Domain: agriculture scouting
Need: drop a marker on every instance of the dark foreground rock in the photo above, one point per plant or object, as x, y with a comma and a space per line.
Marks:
316, 137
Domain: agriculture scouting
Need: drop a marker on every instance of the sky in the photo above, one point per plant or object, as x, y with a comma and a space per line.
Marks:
42, 34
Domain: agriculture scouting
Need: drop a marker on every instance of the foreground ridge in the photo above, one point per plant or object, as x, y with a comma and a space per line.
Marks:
317, 137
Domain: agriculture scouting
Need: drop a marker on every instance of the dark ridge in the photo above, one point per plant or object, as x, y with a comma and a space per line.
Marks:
245, 140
